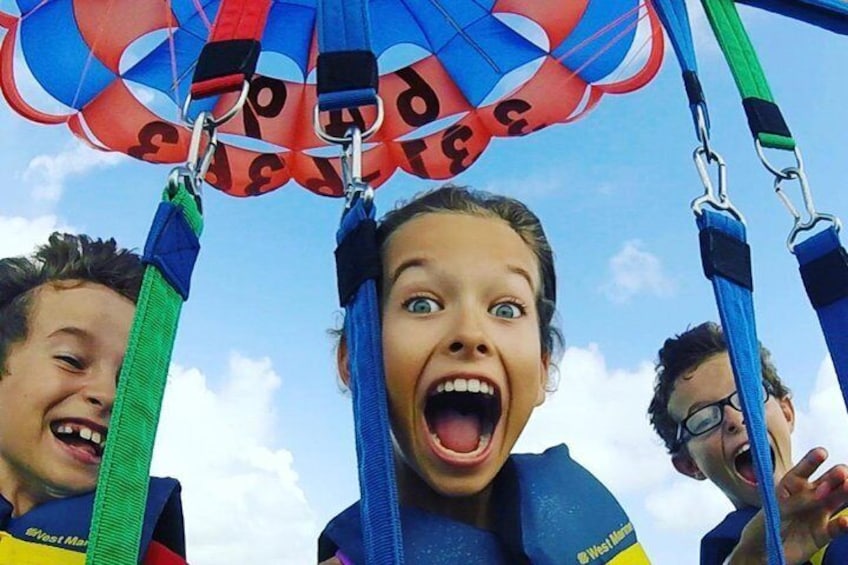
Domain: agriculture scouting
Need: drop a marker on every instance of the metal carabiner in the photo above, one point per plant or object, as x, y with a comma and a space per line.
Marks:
198, 163
702, 129
322, 133
779, 173
351, 165
225, 117
814, 217
718, 200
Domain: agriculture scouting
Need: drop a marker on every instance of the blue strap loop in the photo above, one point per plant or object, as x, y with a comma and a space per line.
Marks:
380, 514
736, 310
172, 246
347, 68
824, 269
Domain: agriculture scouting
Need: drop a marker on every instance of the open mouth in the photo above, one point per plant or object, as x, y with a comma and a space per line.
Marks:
80, 437
743, 462
462, 413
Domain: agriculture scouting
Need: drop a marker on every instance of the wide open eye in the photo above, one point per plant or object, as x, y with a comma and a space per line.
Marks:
507, 310
422, 305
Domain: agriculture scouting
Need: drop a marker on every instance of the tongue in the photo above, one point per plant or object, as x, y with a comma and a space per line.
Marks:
746, 469
458, 432
81, 444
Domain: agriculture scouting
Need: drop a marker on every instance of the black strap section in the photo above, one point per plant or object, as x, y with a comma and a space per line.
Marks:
225, 58
346, 70
693, 88
765, 117
726, 256
357, 260
826, 278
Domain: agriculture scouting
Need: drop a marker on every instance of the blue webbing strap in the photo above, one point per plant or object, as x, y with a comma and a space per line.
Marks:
380, 515
347, 68
726, 259
675, 20
824, 270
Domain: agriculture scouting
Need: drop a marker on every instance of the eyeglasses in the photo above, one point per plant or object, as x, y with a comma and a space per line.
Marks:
709, 417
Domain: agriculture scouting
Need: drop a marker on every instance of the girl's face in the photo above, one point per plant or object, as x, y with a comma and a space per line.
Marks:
461, 346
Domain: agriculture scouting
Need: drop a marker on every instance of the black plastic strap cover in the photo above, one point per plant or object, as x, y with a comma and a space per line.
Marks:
726, 256
826, 278
225, 58
346, 70
357, 260
765, 117
693, 88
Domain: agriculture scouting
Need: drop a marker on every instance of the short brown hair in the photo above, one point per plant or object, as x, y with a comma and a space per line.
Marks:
683, 354
64, 257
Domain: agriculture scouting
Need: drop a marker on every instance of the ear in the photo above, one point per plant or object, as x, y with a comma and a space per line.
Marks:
544, 371
343, 362
788, 410
685, 465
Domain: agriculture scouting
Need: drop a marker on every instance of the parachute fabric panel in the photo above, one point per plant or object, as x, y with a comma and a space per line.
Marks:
122, 486
824, 268
374, 454
452, 76
727, 264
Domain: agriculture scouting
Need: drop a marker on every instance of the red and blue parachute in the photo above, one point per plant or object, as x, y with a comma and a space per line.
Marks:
452, 76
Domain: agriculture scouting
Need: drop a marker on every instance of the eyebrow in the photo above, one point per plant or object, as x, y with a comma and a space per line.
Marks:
74, 331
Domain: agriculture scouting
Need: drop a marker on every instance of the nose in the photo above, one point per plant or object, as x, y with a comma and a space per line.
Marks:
468, 337
734, 421
100, 388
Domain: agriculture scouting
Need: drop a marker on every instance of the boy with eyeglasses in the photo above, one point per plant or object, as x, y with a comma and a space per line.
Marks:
696, 411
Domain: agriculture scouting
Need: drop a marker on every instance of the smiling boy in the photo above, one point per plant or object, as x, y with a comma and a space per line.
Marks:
65, 317
697, 413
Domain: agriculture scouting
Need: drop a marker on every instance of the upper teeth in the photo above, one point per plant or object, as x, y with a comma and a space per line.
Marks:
84, 432
465, 385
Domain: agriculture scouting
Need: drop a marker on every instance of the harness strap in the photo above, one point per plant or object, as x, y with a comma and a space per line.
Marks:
726, 260
229, 57
764, 118
675, 19
379, 512
121, 494
824, 270
347, 68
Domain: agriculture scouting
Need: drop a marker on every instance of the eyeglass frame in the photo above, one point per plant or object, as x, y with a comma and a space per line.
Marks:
684, 434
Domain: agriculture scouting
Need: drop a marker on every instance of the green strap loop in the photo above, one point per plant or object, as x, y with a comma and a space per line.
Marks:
121, 495
748, 74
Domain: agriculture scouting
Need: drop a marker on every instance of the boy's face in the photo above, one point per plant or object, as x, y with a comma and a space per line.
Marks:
57, 392
720, 455
461, 345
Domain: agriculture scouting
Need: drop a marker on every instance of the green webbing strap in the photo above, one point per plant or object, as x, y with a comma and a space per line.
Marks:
121, 496
764, 117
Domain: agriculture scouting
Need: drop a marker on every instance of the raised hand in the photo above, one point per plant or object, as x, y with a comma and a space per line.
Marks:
808, 513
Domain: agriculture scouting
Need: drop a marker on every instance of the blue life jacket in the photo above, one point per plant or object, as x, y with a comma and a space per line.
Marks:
64, 523
720, 541
550, 511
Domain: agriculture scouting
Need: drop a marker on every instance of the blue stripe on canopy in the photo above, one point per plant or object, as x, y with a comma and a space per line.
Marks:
82, 76
580, 50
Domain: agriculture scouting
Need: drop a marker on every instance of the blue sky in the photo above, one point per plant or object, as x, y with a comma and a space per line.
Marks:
254, 423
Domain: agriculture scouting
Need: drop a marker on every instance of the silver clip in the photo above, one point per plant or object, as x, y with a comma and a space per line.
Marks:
814, 217
198, 163
718, 200
351, 165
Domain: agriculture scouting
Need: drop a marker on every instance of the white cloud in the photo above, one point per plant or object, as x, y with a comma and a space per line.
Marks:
47, 173
241, 497
601, 415
635, 271
678, 498
823, 419
20, 236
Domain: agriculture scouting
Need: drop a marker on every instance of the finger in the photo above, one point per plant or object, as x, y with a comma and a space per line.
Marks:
809, 463
834, 480
837, 526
